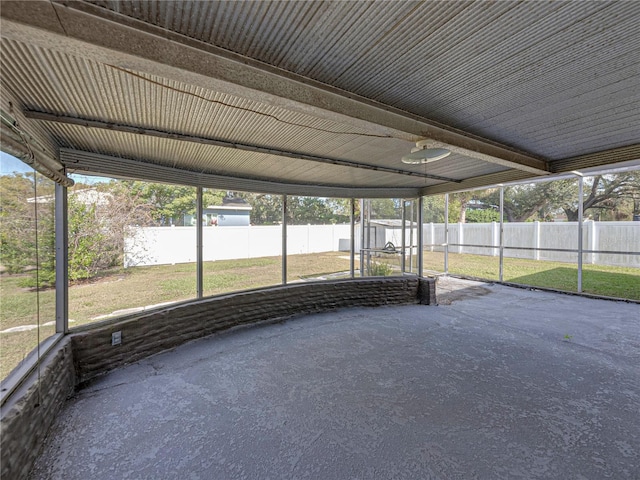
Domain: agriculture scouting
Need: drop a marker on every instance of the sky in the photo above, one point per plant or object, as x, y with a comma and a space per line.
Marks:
9, 165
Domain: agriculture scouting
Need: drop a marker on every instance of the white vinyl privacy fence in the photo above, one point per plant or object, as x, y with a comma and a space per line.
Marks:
169, 245
604, 243
554, 241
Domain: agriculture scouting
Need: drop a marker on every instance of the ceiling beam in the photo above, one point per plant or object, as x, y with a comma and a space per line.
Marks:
89, 31
151, 132
491, 179
597, 159
78, 161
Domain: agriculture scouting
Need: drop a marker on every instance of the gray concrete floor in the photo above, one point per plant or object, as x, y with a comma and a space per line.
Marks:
496, 382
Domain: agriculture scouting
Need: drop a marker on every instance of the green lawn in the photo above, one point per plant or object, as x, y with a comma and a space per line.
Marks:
118, 290
620, 282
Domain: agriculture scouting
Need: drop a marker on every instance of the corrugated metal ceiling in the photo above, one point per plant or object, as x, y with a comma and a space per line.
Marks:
557, 80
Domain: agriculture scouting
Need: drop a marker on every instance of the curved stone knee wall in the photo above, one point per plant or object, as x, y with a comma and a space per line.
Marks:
154, 332
29, 413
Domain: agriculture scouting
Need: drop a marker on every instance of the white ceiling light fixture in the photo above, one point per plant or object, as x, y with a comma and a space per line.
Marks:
423, 152
426, 151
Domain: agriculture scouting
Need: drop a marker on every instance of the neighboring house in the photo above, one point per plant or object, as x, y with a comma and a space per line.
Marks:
234, 212
86, 196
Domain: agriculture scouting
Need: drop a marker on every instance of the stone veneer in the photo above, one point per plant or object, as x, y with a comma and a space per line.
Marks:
81, 356
29, 414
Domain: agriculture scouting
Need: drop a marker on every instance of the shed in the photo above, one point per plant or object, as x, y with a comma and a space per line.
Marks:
234, 212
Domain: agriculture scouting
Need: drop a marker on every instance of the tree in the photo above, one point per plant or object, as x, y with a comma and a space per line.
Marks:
538, 201
433, 209
316, 210
386, 208
609, 194
27, 215
168, 203
266, 209
615, 196
486, 215
99, 225
460, 203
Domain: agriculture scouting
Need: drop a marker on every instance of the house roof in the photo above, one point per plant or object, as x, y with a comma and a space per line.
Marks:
323, 98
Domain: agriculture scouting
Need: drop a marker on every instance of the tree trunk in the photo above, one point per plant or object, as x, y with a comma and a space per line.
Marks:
572, 215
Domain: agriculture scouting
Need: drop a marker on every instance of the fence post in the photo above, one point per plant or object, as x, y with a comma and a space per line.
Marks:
593, 236
536, 236
495, 238
460, 237
432, 238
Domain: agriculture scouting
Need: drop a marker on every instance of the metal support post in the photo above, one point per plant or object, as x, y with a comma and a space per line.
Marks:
403, 235
446, 233
284, 239
352, 238
501, 275
580, 220
199, 246
362, 227
411, 222
420, 237
62, 259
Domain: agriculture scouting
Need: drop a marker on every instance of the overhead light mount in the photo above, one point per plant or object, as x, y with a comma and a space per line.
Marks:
423, 152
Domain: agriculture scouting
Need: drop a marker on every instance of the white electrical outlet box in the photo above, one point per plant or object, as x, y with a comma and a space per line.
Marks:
116, 338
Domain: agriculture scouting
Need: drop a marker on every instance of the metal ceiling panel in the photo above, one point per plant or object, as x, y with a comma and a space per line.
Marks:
224, 161
115, 95
93, 163
555, 79
559, 80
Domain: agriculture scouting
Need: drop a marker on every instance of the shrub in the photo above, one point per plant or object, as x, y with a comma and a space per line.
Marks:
380, 269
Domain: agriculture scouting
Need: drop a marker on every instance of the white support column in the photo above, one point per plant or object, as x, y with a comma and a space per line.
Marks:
62, 259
